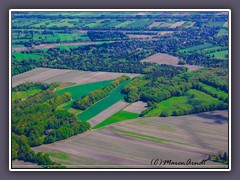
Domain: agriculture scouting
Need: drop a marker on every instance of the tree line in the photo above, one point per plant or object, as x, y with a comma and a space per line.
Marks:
96, 95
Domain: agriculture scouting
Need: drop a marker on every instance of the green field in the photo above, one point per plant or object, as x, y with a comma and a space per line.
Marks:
222, 32
216, 24
183, 103
187, 23
213, 48
195, 48
113, 97
117, 117
80, 90
25, 94
123, 24
223, 55
59, 155
20, 56
220, 93
73, 37
225, 24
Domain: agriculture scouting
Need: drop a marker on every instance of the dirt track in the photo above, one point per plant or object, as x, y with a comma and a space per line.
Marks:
135, 143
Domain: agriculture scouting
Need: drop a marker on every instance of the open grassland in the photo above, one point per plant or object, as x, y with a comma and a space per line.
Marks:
225, 24
52, 45
103, 104
135, 143
78, 91
136, 107
117, 117
123, 24
195, 48
222, 32
216, 24
213, 48
25, 94
20, 56
185, 102
64, 75
223, 55
102, 117
161, 58
220, 93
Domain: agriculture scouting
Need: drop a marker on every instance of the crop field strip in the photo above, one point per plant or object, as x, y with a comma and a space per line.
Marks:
107, 113
161, 58
177, 24
117, 117
103, 104
64, 75
136, 107
134, 143
195, 48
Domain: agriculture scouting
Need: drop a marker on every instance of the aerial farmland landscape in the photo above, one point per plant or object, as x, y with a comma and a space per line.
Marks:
119, 90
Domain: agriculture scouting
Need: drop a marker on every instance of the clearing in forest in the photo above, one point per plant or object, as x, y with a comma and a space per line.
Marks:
161, 58
191, 99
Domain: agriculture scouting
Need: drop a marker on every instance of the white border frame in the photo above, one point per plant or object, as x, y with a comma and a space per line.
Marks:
147, 10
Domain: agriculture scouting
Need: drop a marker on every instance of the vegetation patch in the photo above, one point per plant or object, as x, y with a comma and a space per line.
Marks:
21, 56
190, 100
222, 55
79, 91
117, 117
195, 48
113, 98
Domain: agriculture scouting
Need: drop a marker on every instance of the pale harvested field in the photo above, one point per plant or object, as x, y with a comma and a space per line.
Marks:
191, 25
155, 24
161, 58
136, 107
177, 24
21, 164
139, 36
135, 143
46, 46
107, 113
164, 32
48, 75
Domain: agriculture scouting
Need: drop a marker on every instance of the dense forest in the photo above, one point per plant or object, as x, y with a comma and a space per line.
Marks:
37, 121
156, 89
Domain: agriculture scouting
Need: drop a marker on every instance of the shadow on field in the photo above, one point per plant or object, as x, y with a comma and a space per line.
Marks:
218, 119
